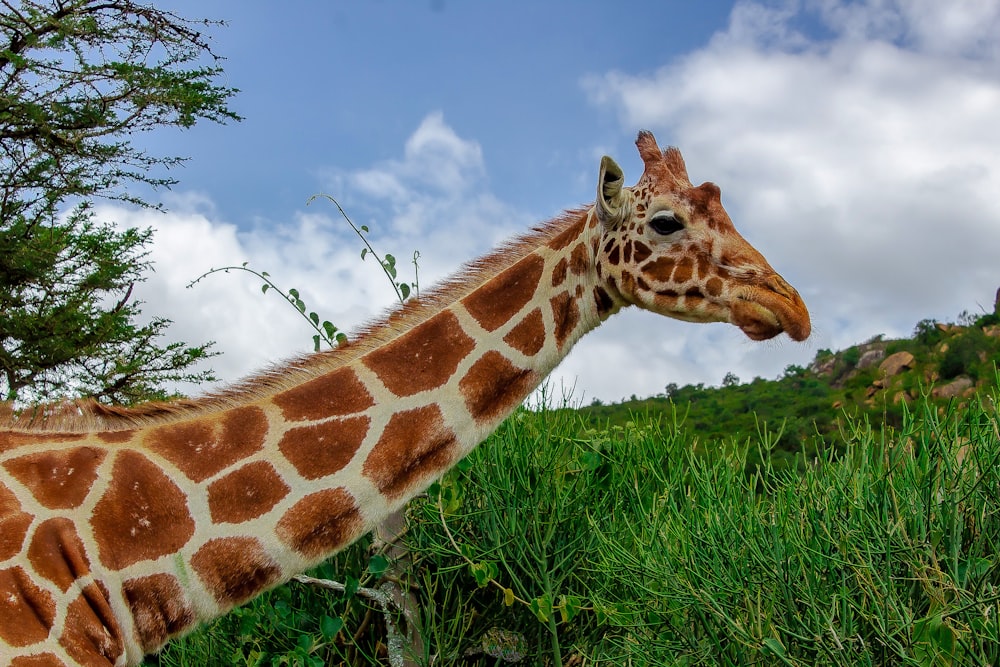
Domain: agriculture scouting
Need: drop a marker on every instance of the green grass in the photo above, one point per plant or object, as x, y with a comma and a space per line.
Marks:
640, 545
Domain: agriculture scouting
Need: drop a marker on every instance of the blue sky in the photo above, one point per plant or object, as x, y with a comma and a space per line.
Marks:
336, 84
855, 144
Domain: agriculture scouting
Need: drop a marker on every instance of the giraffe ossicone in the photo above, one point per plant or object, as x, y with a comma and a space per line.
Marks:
127, 527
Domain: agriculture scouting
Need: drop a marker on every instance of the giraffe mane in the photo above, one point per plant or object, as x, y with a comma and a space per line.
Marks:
90, 415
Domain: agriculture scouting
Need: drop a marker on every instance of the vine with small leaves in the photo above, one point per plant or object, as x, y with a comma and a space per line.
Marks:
388, 263
326, 331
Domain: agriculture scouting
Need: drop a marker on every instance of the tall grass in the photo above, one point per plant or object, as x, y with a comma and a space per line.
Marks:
555, 544
882, 554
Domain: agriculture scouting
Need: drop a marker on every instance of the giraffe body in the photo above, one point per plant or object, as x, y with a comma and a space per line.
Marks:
133, 526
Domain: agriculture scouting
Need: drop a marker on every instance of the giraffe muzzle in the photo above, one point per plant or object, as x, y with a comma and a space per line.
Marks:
767, 309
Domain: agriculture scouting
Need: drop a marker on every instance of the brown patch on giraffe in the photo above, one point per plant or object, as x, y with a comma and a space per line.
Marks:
659, 269
496, 302
206, 446
14, 523
669, 293
627, 252
13, 439
714, 286
605, 304
143, 514
159, 607
40, 660
494, 386
57, 554
579, 260
703, 265
567, 236
234, 569
334, 394
415, 444
321, 523
683, 270
640, 252
559, 272
694, 293
614, 257
529, 334
26, 611
565, 316
115, 437
246, 493
323, 449
422, 359
628, 283
92, 635
58, 479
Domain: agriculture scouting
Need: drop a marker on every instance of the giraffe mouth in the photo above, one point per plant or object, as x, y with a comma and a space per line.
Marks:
766, 310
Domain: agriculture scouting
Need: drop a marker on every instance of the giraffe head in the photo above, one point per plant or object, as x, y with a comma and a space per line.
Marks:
670, 247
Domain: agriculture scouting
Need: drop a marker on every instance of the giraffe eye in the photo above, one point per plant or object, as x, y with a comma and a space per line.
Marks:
666, 223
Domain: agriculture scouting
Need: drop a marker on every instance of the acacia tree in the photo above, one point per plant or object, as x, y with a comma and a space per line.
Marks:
77, 79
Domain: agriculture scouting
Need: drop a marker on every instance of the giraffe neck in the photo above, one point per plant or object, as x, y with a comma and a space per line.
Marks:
347, 447
178, 520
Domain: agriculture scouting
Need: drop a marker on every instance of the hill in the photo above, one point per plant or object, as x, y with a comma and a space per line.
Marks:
804, 410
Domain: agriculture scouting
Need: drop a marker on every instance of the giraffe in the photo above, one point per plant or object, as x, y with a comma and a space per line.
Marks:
123, 528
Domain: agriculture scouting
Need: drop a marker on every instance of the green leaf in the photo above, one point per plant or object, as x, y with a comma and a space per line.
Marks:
404, 289
378, 565
314, 318
316, 341
364, 252
364, 228
483, 572
294, 293
508, 597
569, 607
541, 607
342, 338
329, 627
774, 646
264, 288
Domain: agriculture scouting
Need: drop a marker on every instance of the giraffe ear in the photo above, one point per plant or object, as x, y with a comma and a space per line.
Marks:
609, 193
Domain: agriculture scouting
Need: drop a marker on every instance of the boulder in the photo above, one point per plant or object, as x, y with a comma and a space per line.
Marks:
895, 364
871, 357
953, 389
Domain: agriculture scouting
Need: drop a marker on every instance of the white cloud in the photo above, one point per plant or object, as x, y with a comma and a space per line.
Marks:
864, 166
432, 200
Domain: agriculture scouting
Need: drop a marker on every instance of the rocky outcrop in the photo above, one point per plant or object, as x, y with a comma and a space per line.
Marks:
871, 357
957, 387
895, 364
